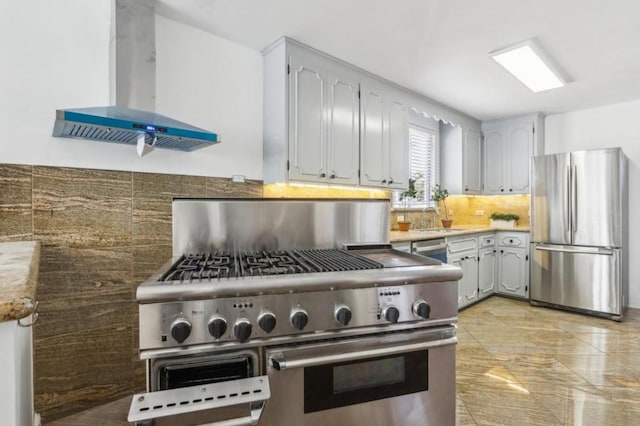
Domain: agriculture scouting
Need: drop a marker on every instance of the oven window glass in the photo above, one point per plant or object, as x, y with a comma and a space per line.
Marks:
341, 384
186, 374
368, 374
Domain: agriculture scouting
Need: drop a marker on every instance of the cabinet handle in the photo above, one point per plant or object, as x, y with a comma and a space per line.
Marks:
322, 175
390, 181
384, 181
332, 176
501, 251
511, 241
501, 189
466, 189
510, 190
494, 251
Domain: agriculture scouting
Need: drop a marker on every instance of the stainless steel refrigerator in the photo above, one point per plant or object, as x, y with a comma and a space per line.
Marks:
579, 232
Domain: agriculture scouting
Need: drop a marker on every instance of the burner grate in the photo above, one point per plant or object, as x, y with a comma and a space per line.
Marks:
225, 265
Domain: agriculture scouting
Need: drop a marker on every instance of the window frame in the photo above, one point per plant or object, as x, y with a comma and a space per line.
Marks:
432, 125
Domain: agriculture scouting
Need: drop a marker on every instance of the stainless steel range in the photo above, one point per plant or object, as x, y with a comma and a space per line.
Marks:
295, 312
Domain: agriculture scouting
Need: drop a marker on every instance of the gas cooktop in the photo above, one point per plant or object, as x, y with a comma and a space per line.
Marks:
223, 264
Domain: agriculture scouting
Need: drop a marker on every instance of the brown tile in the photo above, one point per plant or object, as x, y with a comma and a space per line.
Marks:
81, 207
82, 369
15, 203
223, 187
153, 194
83, 339
149, 259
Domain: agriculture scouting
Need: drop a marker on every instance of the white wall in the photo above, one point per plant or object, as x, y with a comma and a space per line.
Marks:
610, 126
56, 55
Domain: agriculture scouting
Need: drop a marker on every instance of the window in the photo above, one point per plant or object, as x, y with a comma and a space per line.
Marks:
423, 151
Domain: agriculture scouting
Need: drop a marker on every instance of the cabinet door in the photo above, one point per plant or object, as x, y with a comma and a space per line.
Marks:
307, 121
459, 262
472, 162
470, 271
372, 136
344, 130
513, 271
487, 272
519, 145
398, 145
494, 162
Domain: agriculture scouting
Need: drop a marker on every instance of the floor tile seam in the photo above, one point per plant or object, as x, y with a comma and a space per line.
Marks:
595, 385
466, 409
542, 409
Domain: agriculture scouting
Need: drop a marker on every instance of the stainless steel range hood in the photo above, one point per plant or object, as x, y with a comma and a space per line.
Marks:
129, 120
129, 126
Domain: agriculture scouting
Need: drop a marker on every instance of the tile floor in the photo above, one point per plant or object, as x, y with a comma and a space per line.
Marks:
520, 365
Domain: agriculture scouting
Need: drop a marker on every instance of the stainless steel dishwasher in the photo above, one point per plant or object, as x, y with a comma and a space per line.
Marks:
435, 249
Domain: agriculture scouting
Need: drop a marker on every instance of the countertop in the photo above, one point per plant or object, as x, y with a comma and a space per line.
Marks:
415, 235
18, 279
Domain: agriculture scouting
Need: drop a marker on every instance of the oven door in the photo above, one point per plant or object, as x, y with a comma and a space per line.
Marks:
405, 378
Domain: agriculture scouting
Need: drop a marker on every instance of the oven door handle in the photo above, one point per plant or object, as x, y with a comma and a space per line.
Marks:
280, 361
251, 420
254, 391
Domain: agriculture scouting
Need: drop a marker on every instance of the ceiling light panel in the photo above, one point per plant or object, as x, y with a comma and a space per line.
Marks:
530, 65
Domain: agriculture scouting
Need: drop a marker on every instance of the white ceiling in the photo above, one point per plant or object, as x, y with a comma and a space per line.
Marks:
440, 47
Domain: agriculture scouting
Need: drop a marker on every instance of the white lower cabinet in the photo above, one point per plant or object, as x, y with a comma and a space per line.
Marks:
487, 265
513, 264
462, 251
16, 379
468, 284
495, 262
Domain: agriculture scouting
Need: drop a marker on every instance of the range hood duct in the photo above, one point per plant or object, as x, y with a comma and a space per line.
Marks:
132, 92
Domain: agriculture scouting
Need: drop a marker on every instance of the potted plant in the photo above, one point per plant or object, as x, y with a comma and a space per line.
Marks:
405, 196
441, 194
503, 220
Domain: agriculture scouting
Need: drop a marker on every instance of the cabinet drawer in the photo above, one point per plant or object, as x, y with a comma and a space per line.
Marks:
460, 244
487, 240
513, 240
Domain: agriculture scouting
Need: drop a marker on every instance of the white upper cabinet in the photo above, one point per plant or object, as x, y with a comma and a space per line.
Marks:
472, 161
494, 161
508, 147
324, 116
384, 147
307, 120
329, 122
343, 137
461, 159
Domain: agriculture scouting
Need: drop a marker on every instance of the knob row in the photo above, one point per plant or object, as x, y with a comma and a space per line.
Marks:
242, 328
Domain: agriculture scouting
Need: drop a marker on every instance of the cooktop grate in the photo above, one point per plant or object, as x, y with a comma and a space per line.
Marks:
225, 265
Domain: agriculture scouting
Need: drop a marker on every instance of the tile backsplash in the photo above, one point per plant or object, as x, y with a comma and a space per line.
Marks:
470, 210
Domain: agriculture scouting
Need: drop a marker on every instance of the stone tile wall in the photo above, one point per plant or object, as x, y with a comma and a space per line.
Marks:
102, 233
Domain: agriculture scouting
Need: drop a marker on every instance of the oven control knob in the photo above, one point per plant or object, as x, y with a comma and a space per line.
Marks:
342, 315
180, 329
267, 321
217, 326
390, 313
421, 309
242, 329
299, 319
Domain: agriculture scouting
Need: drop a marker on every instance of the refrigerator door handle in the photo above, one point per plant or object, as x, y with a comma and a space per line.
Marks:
569, 210
574, 199
585, 250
